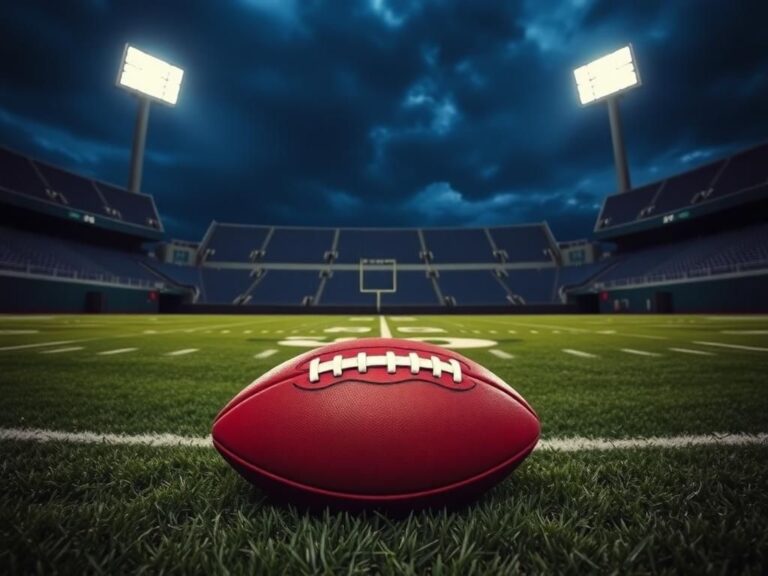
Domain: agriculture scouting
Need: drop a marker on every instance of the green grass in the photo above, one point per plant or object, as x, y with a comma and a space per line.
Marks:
114, 509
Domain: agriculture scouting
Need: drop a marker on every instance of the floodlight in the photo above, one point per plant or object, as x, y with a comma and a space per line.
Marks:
150, 76
607, 76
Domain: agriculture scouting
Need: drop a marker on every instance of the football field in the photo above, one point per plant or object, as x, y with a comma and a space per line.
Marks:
653, 458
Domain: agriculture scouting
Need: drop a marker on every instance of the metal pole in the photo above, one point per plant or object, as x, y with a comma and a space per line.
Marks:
619, 154
139, 140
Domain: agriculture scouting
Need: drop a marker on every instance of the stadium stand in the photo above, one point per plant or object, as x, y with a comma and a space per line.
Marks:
31, 253
234, 242
534, 286
745, 170
284, 287
343, 288
413, 289
299, 245
224, 285
525, 243
51, 186
458, 245
722, 253
402, 245
473, 287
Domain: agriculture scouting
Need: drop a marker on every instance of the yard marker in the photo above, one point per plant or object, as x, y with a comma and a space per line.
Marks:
42, 345
690, 351
265, 354
225, 331
579, 353
117, 351
512, 331
475, 331
279, 331
361, 319
606, 331
534, 331
574, 444
183, 352
501, 354
734, 346
264, 331
150, 331
384, 328
247, 331
639, 352
555, 331
493, 331
60, 350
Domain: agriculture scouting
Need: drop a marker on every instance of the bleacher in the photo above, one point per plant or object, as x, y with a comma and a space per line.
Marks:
285, 287
459, 245
43, 185
473, 288
402, 245
733, 251
299, 245
734, 176
30, 253
534, 286
525, 243
224, 285
234, 242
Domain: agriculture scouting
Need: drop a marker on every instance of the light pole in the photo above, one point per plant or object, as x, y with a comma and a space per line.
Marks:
150, 79
607, 78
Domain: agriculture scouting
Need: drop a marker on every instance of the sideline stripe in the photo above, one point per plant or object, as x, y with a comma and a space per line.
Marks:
690, 351
265, 354
579, 353
638, 352
384, 328
734, 346
578, 444
25, 346
501, 354
183, 352
118, 351
750, 332
575, 444
60, 350
17, 332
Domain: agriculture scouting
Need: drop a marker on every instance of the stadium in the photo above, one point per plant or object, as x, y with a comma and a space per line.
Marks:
642, 345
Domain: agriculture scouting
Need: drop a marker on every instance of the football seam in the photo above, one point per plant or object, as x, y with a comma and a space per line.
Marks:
520, 455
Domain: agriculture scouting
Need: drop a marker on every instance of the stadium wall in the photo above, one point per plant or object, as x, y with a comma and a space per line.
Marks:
744, 294
420, 310
43, 295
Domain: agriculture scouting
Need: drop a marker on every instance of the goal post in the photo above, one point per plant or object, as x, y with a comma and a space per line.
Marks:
378, 276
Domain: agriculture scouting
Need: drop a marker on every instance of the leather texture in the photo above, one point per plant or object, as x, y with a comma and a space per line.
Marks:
382, 420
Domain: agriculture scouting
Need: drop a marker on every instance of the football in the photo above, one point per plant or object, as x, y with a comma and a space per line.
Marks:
377, 422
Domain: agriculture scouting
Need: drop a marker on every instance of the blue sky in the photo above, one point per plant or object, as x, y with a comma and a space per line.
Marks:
382, 112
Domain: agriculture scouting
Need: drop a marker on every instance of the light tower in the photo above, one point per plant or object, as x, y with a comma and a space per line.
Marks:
150, 79
607, 78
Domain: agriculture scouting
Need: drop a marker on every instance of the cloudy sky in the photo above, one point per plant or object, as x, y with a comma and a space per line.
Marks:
382, 112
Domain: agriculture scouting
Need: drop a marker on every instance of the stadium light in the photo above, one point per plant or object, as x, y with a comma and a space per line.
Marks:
606, 79
150, 79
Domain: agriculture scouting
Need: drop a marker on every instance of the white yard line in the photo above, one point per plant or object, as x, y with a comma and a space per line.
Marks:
61, 350
574, 444
40, 345
17, 332
638, 352
117, 351
750, 332
183, 352
265, 354
691, 351
384, 328
501, 354
579, 444
579, 353
734, 346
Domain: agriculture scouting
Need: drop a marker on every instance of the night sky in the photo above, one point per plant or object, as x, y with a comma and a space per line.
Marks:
382, 112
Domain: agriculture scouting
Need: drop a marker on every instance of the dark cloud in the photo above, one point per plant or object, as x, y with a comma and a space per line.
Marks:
382, 112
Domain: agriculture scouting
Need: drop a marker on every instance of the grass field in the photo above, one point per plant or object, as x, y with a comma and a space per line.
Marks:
584, 502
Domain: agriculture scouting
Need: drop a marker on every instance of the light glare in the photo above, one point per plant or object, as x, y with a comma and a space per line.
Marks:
606, 76
150, 76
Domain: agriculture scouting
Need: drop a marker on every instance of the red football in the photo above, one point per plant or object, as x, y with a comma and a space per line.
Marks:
377, 421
